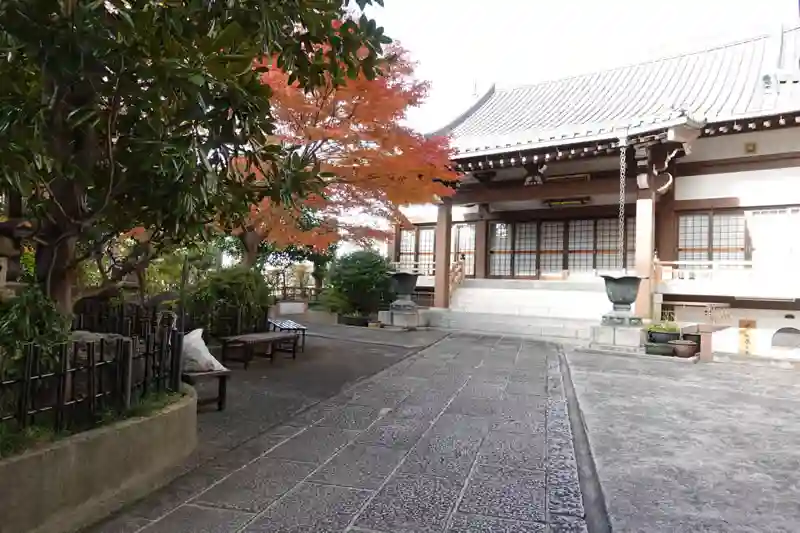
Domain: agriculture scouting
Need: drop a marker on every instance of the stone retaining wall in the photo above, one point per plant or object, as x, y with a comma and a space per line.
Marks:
83, 478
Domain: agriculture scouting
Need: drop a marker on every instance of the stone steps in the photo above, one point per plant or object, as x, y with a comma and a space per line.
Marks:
559, 300
560, 330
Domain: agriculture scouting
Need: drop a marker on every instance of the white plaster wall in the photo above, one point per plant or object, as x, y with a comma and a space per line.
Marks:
761, 283
292, 308
426, 213
780, 186
779, 141
425, 281
768, 321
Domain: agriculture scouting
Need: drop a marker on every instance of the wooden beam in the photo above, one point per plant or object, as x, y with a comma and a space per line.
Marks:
484, 177
516, 191
560, 213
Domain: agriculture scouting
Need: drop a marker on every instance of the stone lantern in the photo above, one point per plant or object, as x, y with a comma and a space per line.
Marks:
404, 312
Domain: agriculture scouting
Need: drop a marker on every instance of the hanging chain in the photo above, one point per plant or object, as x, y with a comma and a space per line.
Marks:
623, 175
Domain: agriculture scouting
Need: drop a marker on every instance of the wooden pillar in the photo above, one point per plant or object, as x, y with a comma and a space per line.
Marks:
394, 244
667, 227
481, 244
706, 347
441, 285
645, 248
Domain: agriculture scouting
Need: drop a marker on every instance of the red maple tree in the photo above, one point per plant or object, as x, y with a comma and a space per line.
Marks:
356, 132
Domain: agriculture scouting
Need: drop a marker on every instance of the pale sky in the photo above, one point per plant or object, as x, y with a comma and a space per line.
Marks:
459, 44
510, 42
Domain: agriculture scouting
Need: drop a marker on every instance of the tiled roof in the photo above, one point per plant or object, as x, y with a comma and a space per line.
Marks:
747, 79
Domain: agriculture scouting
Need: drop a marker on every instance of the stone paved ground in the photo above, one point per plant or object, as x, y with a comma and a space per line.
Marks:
260, 398
267, 394
692, 448
470, 435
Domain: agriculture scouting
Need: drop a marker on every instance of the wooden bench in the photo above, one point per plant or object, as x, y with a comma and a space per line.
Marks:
222, 376
251, 344
286, 325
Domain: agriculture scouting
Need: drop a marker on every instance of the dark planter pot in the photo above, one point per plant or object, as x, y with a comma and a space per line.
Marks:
695, 337
653, 348
404, 283
360, 321
684, 349
663, 337
622, 291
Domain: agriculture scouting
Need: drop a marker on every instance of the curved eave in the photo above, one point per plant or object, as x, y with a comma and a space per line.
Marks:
460, 119
567, 143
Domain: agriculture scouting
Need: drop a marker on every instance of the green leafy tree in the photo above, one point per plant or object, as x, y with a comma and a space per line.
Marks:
231, 294
359, 283
123, 114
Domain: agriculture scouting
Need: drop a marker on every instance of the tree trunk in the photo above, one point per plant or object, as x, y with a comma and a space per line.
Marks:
53, 271
250, 242
141, 279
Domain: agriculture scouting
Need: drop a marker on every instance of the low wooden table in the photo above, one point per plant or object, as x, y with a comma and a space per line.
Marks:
221, 376
251, 344
283, 325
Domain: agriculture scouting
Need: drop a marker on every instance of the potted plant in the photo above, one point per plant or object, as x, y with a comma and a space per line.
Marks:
659, 336
694, 337
663, 332
684, 348
358, 285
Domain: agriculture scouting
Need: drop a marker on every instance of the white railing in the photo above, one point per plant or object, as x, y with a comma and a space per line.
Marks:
457, 270
742, 279
422, 269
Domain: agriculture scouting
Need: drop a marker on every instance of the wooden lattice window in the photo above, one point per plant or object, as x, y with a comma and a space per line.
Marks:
463, 244
581, 246
728, 237
500, 249
551, 248
425, 250
712, 237
630, 243
408, 248
607, 235
525, 249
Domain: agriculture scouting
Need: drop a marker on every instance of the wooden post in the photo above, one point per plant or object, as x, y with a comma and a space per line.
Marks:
393, 246
706, 348
441, 286
645, 248
481, 247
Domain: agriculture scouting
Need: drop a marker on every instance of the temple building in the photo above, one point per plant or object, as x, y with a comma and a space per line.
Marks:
696, 158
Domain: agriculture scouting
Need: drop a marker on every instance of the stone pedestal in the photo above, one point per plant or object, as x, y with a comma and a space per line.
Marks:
385, 317
622, 318
618, 336
404, 313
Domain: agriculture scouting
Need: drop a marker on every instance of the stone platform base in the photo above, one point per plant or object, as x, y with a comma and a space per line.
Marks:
617, 336
401, 319
622, 319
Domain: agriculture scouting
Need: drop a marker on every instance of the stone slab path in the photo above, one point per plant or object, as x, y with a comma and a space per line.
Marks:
692, 448
469, 435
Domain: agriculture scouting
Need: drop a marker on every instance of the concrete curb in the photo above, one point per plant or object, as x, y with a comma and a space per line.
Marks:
82, 479
594, 502
647, 357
